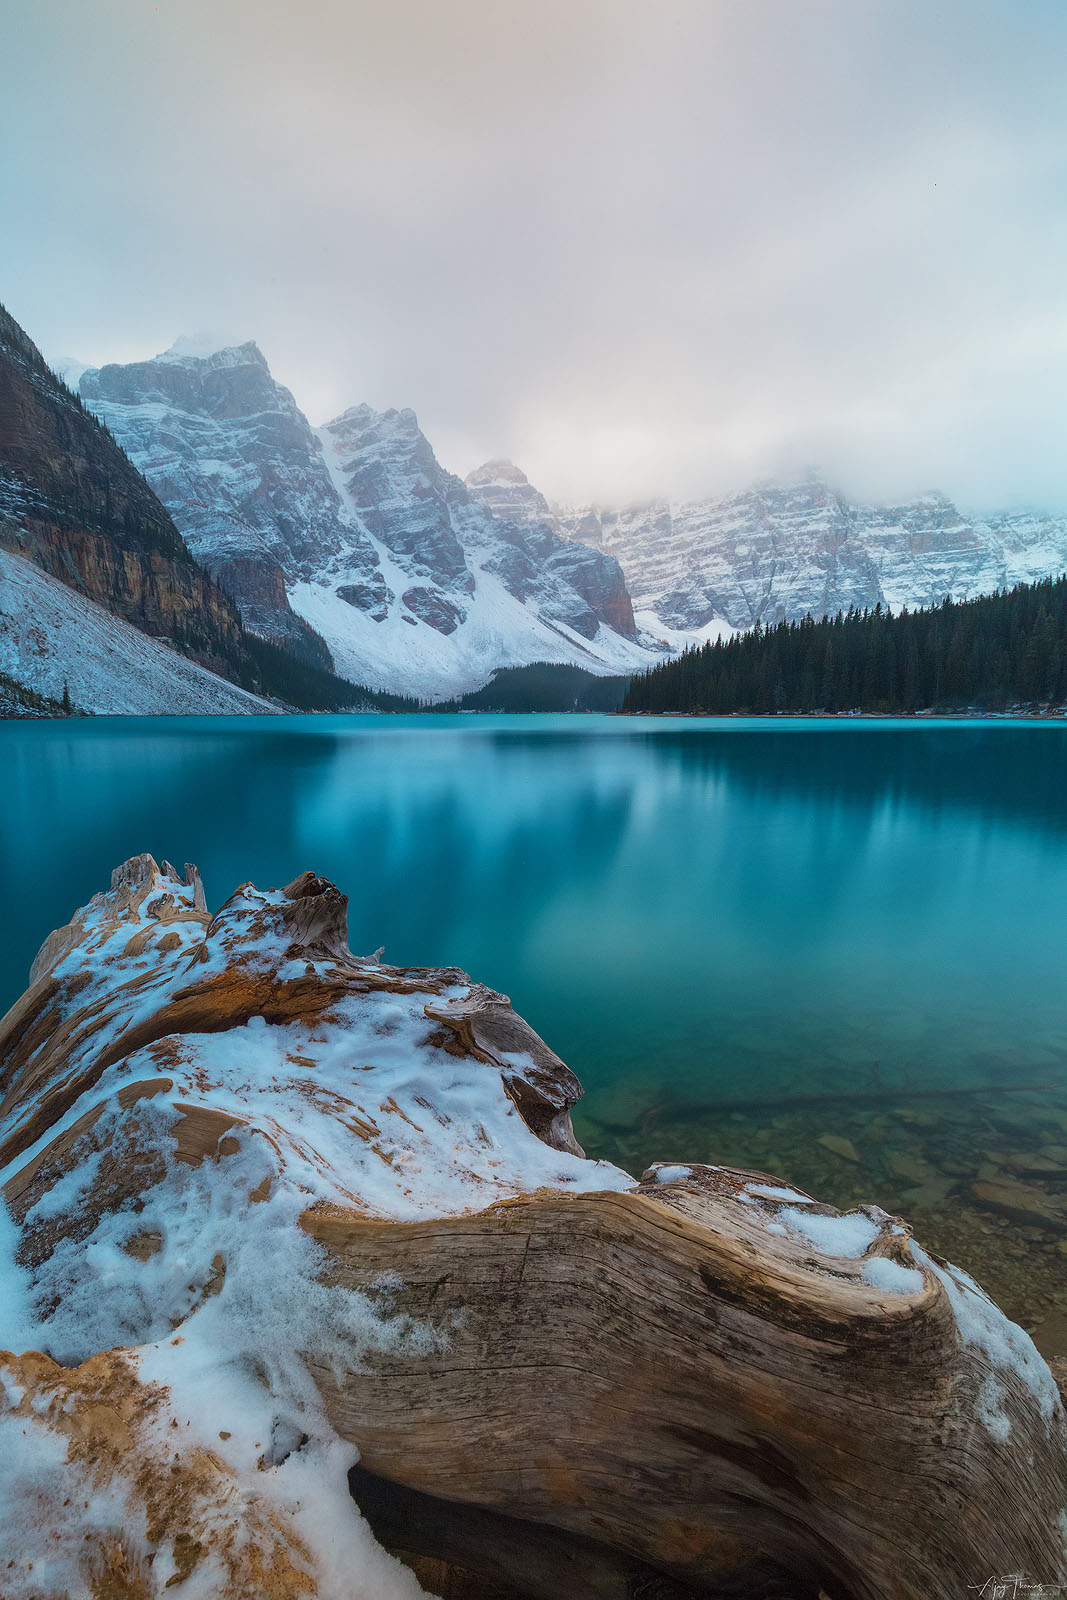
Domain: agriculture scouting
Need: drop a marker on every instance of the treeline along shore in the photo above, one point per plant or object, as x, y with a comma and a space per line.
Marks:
1005, 651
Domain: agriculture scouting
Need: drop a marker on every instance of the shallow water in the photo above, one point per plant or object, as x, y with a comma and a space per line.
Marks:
744, 936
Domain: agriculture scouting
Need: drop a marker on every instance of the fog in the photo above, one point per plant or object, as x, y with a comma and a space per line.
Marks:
640, 248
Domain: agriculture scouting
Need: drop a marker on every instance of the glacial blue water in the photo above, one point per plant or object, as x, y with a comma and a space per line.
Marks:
832, 951
688, 910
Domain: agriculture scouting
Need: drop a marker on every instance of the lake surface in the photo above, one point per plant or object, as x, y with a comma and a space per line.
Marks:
745, 936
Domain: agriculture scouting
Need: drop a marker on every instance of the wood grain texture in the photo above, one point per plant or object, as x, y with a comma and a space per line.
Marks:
653, 1371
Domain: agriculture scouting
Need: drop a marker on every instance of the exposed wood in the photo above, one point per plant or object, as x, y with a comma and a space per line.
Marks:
653, 1370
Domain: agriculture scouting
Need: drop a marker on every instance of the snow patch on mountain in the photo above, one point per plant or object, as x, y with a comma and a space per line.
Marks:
678, 639
51, 636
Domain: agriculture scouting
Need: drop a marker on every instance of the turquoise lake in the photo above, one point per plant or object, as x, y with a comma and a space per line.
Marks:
744, 936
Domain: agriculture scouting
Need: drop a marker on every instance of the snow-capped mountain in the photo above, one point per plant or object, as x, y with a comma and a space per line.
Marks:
235, 462
780, 550
353, 538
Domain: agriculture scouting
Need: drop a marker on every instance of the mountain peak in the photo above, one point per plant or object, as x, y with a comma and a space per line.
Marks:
499, 470
508, 492
214, 352
364, 415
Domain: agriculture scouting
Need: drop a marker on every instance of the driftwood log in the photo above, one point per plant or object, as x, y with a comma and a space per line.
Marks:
704, 1380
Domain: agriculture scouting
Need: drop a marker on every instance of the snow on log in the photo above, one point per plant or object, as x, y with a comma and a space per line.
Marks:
270, 1205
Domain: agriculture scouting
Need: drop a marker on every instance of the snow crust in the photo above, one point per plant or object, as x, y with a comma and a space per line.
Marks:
771, 1191
892, 1276
50, 635
850, 1234
1006, 1347
37, 1475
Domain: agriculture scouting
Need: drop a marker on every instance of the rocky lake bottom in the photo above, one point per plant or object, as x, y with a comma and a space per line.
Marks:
982, 1178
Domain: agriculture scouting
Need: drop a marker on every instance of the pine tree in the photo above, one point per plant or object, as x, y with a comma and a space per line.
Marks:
1001, 650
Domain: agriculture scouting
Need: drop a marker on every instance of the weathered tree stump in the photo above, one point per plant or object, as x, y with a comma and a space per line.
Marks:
343, 1202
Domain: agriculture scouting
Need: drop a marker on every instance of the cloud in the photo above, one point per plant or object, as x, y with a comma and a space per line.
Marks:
639, 247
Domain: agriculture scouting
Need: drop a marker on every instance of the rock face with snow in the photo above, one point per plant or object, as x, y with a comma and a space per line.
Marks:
508, 492
269, 1204
71, 503
232, 457
355, 535
467, 590
781, 550
52, 638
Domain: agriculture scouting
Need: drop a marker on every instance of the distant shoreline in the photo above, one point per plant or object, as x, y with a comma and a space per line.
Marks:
859, 716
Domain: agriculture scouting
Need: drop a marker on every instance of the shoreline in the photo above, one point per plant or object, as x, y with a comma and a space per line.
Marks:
1059, 715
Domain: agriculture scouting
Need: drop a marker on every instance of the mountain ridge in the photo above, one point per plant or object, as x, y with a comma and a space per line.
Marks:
354, 534
783, 548
175, 411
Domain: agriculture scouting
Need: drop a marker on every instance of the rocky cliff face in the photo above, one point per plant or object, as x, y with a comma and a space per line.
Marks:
71, 502
781, 550
433, 530
508, 492
234, 460
356, 534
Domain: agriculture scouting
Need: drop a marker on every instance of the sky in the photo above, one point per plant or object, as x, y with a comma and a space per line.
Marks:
639, 246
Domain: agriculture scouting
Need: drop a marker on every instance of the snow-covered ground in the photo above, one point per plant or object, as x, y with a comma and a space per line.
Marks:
51, 636
414, 659
681, 638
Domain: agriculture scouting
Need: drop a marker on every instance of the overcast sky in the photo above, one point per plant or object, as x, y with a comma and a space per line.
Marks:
637, 245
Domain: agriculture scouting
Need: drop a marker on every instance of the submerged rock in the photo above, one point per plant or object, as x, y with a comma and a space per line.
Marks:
273, 1206
838, 1145
1021, 1202
913, 1168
